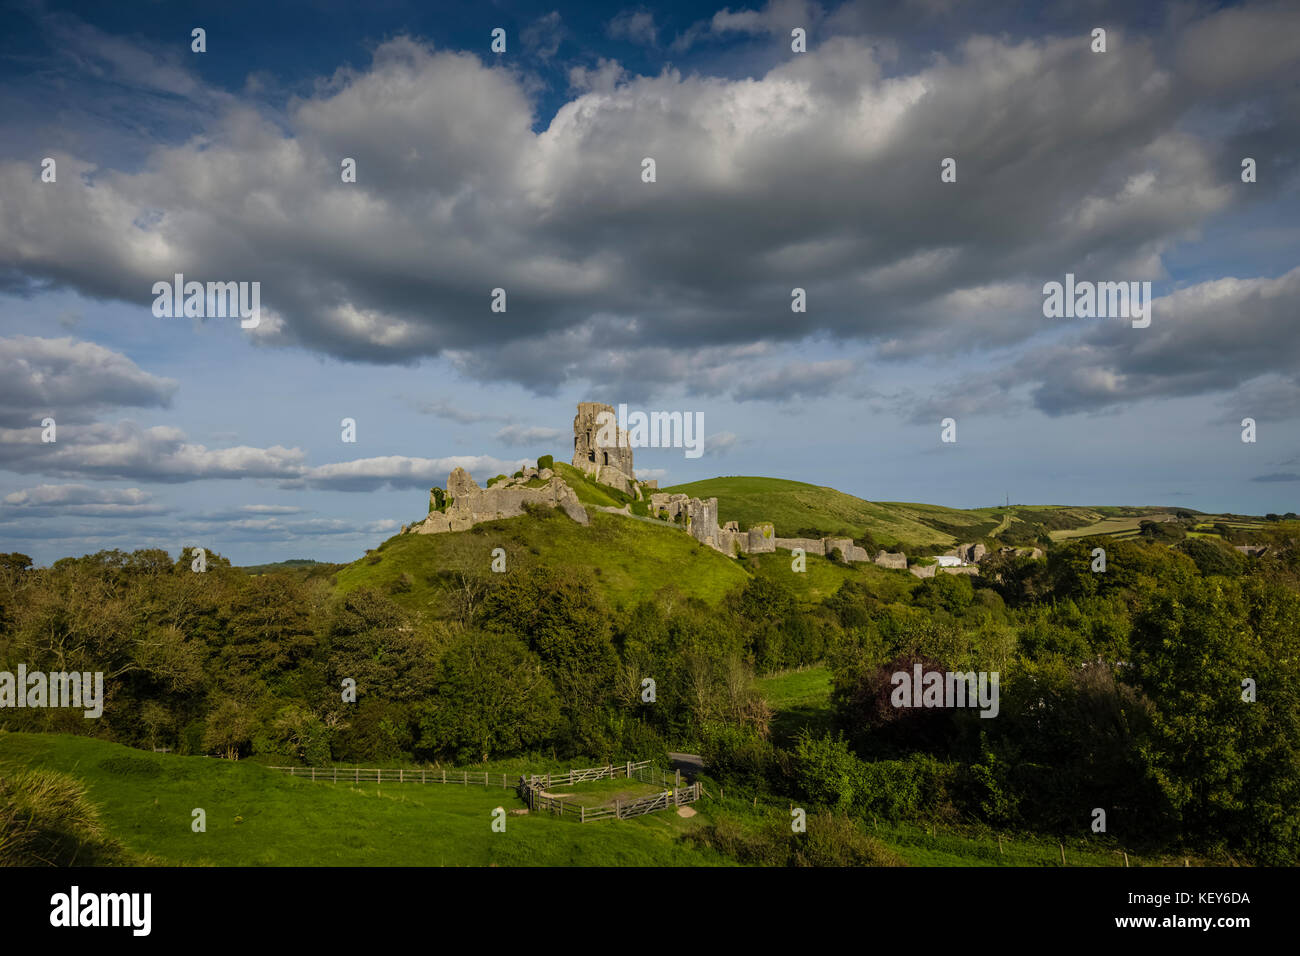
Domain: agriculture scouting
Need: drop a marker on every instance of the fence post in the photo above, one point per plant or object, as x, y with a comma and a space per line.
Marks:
422, 780
628, 773
617, 814
400, 778
444, 774
313, 774
336, 774
582, 814
464, 778
357, 778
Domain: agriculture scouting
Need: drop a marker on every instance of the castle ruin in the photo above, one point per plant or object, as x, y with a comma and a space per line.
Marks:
603, 452
465, 504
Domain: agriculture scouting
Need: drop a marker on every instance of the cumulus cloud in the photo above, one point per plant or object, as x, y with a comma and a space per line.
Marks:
808, 175
1226, 336
399, 471
129, 451
71, 380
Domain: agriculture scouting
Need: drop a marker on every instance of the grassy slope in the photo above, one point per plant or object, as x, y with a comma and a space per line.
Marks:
823, 577
147, 799
794, 505
631, 559
800, 699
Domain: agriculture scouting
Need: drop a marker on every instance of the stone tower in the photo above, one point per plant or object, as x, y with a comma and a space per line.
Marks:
601, 449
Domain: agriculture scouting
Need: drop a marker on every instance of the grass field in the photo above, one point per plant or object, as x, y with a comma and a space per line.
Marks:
1117, 527
800, 699
260, 817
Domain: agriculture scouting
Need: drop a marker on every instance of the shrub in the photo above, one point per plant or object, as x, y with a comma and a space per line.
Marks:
738, 756
830, 840
546, 461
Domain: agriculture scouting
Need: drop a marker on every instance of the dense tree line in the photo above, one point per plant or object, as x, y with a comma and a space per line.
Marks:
1124, 690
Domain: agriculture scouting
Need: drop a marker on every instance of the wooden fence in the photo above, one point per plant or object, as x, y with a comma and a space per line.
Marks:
640, 770
632, 771
359, 775
532, 787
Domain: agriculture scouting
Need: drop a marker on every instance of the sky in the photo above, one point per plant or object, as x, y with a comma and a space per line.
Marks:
775, 169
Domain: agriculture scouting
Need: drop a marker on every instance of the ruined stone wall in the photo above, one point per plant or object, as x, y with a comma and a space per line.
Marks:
809, 545
762, 538
470, 505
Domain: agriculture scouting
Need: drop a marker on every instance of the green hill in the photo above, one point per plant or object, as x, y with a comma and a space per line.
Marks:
261, 817
632, 560
798, 509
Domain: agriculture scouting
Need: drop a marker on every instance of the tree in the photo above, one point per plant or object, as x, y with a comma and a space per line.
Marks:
229, 730
1229, 766
491, 698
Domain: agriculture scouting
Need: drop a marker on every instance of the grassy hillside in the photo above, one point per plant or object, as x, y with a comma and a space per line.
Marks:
823, 577
632, 560
261, 817
794, 507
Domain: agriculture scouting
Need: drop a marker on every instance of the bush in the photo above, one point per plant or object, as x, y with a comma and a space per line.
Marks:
546, 461
738, 756
830, 840
830, 775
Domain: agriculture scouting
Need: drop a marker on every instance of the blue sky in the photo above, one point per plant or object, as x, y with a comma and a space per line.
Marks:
522, 170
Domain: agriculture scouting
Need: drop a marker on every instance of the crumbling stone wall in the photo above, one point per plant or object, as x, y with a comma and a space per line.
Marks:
468, 504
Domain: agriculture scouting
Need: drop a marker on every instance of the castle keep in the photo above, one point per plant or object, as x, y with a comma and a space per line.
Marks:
608, 462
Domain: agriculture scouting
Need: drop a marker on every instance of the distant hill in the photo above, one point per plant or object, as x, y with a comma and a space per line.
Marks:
799, 509
307, 565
